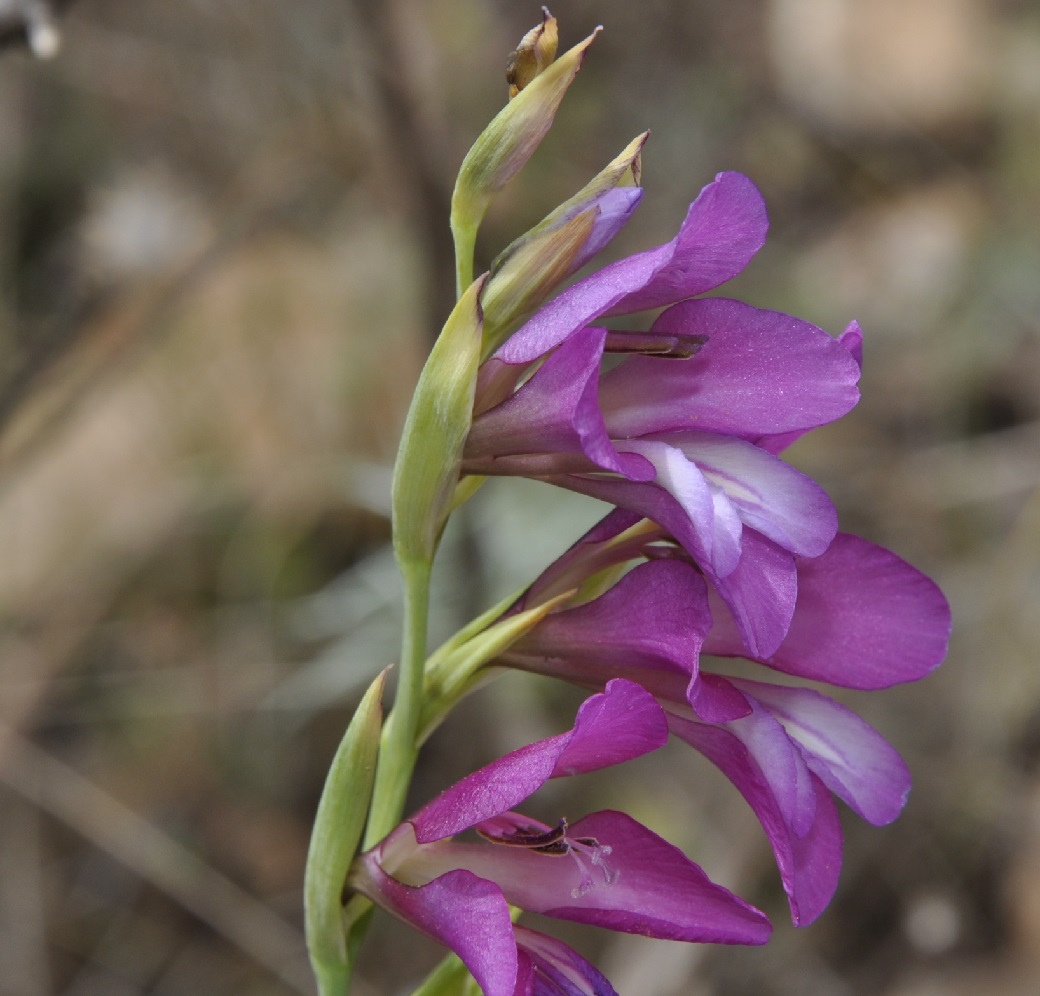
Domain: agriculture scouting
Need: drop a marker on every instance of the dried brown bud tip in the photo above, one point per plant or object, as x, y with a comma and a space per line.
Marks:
536, 51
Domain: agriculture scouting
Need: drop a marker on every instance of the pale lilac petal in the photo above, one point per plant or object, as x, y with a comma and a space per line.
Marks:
769, 495
712, 516
852, 759
462, 911
615, 207
809, 863
648, 501
622, 722
779, 761
654, 618
757, 372
641, 885
864, 619
724, 228
548, 967
760, 591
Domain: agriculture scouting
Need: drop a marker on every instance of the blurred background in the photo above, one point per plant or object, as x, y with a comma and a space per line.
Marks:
223, 256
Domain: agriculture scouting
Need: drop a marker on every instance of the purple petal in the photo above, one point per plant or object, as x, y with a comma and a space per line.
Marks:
864, 619
641, 885
809, 863
851, 340
549, 968
851, 758
715, 699
622, 722
463, 912
723, 229
761, 596
758, 372
556, 411
652, 619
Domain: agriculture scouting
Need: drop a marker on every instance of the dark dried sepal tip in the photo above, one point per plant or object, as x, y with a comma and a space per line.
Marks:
536, 51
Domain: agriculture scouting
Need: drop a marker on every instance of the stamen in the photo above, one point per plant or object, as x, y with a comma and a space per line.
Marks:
679, 347
596, 852
556, 843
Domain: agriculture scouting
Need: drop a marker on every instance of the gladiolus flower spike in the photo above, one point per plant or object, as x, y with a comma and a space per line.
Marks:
715, 547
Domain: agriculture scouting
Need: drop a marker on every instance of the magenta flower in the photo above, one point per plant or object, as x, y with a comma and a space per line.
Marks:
864, 619
605, 869
685, 431
685, 443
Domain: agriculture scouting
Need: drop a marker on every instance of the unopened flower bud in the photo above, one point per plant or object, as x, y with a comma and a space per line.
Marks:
527, 271
536, 51
505, 146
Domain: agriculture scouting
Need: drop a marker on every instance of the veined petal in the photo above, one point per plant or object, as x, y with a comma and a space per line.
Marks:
723, 229
851, 758
757, 372
622, 722
548, 967
772, 497
634, 882
864, 618
810, 862
712, 517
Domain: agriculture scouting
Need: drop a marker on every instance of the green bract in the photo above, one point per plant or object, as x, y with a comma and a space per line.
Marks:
453, 669
338, 825
438, 422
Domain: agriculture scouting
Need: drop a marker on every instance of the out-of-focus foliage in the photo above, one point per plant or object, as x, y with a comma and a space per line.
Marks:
223, 254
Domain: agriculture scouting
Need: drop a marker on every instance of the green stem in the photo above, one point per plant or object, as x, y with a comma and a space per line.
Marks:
399, 745
333, 979
465, 237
